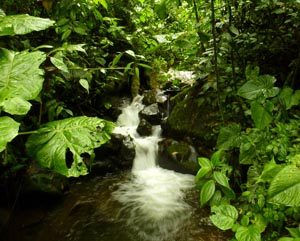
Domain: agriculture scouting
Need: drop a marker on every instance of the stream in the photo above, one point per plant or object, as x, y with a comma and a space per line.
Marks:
147, 204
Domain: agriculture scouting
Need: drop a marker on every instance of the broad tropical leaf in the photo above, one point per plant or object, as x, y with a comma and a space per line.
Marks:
20, 79
8, 131
261, 86
249, 233
229, 137
22, 24
78, 135
285, 187
225, 216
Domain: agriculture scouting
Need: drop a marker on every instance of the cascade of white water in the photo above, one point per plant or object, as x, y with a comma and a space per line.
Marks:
153, 199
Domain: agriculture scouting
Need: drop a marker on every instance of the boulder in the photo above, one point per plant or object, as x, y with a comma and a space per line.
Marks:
127, 150
144, 128
152, 114
178, 156
195, 115
118, 153
149, 97
44, 182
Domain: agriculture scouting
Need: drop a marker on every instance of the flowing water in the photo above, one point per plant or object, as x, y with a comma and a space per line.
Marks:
147, 204
153, 199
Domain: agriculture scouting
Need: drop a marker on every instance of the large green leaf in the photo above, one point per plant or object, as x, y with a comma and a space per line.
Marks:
8, 129
78, 135
20, 79
260, 115
22, 24
261, 86
285, 187
225, 216
229, 137
249, 233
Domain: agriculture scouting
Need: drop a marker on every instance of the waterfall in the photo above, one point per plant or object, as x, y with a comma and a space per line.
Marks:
153, 204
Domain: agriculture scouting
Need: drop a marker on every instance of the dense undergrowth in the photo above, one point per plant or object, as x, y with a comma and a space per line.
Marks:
61, 61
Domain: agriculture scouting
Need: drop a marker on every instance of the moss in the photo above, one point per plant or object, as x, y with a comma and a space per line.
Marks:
135, 86
194, 116
180, 153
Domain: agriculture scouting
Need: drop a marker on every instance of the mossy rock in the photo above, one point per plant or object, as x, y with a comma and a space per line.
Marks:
178, 156
194, 115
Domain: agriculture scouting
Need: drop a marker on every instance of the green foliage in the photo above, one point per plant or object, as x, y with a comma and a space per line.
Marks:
250, 233
9, 130
212, 180
224, 216
22, 24
20, 80
285, 187
79, 135
229, 137
258, 85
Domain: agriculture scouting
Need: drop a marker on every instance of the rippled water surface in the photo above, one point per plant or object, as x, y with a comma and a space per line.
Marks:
90, 212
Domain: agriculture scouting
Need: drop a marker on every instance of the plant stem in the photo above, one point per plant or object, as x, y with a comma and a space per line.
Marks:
27, 133
213, 25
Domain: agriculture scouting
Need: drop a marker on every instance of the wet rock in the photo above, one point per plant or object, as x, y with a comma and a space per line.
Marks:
118, 153
83, 207
178, 156
144, 128
41, 181
149, 97
128, 149
152, 114
101, 167
195, 115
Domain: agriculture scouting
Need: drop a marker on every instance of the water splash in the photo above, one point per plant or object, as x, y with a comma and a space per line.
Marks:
152, 200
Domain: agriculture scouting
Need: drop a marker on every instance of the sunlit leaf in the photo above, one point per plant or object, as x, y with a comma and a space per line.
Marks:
207, 191
203, 171
224, 216
285, 187
204, 162
59, 63
85, 84
22, 24
8, 129
16, 106
20, 78
220, 178
249, 233
78, 135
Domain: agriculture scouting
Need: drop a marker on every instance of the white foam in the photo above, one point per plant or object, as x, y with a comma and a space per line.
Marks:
153, 199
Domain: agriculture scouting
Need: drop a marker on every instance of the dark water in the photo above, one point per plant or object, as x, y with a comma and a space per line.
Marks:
90, 213
149, 204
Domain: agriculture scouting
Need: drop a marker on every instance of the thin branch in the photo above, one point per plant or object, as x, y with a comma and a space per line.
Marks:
213, 25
